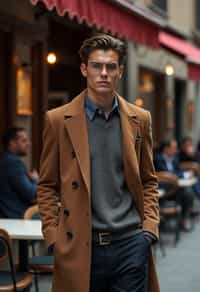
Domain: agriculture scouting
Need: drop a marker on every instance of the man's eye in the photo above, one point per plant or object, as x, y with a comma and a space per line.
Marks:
96, 65
99, 66
111, 67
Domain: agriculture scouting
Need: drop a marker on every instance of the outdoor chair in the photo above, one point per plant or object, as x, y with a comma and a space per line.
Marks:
169, 208
38, 264
11, 280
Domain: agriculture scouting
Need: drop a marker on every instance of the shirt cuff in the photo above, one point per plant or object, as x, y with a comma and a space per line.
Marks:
151, 235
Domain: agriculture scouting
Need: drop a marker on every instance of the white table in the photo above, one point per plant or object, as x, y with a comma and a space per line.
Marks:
22, 229
161, 193
187, 182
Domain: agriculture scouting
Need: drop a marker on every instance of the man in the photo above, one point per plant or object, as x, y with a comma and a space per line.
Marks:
17, 186
189, 155
167, 161
187, 152
97, 160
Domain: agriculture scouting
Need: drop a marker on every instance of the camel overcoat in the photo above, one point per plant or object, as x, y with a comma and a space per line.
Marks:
65, 177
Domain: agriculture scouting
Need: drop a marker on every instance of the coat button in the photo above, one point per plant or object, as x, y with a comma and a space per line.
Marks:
73, 154
66, 212
74, 185
69, 234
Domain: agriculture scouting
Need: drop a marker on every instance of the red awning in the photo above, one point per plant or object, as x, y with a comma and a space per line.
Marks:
109, 17
185, 49
194, 71
180, 46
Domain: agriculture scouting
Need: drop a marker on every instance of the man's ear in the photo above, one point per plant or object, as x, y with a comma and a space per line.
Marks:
121, 71
83, 68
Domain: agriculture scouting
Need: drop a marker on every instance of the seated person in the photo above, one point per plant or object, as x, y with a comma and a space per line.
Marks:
17, 186
188, 154
166, 161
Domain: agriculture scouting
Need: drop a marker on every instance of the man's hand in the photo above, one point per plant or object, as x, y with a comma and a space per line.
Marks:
34, 174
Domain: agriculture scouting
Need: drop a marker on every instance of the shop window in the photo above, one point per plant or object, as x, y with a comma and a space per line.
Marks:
161, 4
197, 15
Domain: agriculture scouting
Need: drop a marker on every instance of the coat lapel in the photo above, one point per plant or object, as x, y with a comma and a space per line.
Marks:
76, 126
130, 136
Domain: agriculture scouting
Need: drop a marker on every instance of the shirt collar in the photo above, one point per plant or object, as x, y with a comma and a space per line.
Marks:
168, 158
91, 109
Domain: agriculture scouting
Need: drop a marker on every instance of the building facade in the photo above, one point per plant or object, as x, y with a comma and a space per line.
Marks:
29, 85
173, 99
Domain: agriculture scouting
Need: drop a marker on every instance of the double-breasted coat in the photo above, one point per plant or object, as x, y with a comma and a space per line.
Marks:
65, 177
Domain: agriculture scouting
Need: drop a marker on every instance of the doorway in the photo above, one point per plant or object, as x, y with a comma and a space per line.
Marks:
180, 93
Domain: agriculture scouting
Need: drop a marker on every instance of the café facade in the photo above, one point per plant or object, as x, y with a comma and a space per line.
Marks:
29, 85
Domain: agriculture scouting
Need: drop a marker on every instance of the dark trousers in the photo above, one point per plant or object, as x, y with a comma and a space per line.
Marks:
121, 266
185, 198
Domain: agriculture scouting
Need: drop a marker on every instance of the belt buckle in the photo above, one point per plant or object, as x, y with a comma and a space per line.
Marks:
104, 238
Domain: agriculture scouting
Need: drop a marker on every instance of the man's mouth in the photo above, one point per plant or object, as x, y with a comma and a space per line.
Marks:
106, 83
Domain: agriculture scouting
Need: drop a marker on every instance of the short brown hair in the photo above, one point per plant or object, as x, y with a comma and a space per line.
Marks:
102, 42
11, 134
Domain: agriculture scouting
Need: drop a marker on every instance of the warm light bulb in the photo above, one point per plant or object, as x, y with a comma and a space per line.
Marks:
51, 58
169, 69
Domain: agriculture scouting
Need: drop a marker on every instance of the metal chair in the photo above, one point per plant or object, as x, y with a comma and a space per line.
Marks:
11, 280
169, 209
38, 264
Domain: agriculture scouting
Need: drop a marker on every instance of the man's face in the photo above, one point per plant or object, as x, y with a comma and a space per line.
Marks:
172, 150
21, 144
188, 148
102, 71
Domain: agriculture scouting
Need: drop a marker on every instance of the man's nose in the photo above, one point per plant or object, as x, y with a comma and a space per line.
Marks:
104, 71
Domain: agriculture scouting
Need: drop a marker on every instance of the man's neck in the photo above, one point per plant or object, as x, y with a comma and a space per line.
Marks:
167, 156
12, 151
104, 102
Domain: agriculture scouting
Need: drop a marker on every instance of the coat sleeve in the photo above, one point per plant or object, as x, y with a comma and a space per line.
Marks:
48, 185
149, 181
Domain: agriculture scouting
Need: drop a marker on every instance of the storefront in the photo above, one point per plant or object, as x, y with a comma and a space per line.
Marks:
29, 85
151, 96
23, 73
186, 104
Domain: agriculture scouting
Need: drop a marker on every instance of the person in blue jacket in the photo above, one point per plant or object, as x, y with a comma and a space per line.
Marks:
166, 160
17, 185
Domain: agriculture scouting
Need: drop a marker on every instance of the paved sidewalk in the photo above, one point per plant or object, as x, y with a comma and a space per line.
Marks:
179, 270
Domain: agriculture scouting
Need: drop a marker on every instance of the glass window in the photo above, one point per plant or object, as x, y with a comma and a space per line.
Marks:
197, 15
162, 4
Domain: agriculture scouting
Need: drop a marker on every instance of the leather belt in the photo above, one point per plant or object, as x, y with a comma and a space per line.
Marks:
102, 238
107, 237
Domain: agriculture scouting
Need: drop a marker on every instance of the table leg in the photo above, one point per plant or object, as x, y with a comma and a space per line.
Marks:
23, 258
23, 255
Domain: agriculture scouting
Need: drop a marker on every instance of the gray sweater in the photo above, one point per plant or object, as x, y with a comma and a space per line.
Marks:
113, 207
